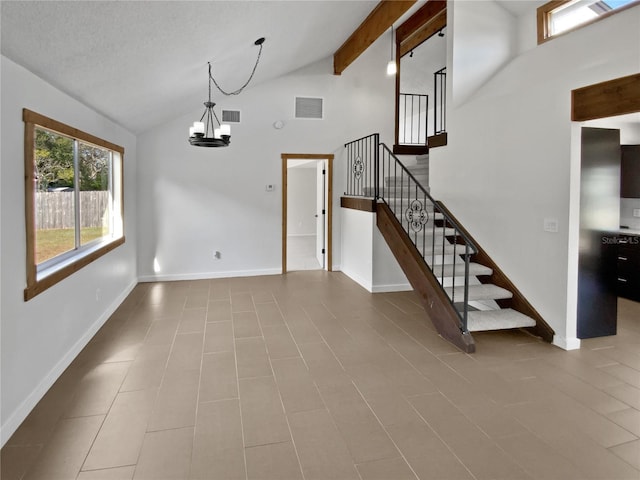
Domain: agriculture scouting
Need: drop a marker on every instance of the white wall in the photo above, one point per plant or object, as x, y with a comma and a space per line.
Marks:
302, 186
387, 274
366, 257
357, 246
41, 337
193, 201
485, 42
508, 162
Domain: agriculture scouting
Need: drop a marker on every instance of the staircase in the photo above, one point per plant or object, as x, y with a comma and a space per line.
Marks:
460, 286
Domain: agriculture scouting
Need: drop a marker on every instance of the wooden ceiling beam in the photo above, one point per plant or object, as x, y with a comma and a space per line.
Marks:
376, 23
423, 33
424, 14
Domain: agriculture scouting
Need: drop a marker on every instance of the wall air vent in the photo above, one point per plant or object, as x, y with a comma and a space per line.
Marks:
230, 116
308, 107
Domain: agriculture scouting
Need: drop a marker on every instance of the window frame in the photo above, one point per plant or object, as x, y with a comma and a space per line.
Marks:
544, 19
39, 280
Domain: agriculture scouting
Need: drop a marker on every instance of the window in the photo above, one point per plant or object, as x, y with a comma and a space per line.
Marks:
73, 200
561, 16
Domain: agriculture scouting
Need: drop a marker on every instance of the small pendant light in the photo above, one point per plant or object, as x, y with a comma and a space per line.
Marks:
392, 68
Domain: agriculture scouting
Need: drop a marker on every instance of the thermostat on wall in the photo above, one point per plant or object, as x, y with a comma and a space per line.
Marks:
270, 187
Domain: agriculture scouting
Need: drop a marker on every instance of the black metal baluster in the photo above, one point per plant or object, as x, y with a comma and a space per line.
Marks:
375, 165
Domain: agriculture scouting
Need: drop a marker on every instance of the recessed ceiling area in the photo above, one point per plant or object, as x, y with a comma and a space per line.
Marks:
142, 63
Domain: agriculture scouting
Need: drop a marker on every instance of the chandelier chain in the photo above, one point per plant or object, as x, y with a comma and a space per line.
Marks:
239, 90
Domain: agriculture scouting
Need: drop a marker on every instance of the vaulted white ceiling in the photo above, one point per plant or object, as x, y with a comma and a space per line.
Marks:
141, 63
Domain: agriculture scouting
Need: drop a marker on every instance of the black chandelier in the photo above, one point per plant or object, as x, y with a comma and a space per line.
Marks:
204, 133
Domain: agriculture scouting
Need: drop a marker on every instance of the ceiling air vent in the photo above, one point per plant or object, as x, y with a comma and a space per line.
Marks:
308, 107
231, 116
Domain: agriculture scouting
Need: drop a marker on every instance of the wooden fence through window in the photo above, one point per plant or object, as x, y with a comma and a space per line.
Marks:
56, 209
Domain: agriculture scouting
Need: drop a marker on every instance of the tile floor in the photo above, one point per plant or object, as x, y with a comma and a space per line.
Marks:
301, 253
307, 376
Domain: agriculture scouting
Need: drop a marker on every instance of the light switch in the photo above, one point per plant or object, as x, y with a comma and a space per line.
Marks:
551, 225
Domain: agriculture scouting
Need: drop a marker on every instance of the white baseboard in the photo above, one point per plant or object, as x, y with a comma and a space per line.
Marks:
19, 414
174, 277
398, 287
566, 343
359, 280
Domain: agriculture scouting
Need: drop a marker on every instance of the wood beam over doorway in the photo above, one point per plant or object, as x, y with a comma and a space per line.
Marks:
606, 99
378, 22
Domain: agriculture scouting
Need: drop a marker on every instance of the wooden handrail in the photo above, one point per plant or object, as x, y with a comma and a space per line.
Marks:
435, 301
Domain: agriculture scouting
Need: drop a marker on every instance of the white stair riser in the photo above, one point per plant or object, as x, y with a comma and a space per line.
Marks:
419, 169
421, 178
480, 292
475, 269
497, 320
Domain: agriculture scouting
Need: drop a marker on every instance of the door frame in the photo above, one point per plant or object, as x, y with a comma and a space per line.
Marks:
329, 218
617, 96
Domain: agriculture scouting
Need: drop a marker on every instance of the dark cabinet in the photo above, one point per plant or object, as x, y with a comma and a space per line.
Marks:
629, 267
630, 171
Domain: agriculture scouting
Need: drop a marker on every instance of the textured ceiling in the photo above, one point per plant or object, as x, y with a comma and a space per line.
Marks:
142, 63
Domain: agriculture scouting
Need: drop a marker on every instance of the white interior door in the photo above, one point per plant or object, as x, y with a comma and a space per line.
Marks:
320, 211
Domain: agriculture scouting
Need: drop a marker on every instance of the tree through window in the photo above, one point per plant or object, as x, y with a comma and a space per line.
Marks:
73, 199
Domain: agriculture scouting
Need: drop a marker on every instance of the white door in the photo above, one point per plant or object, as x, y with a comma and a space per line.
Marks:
320, 211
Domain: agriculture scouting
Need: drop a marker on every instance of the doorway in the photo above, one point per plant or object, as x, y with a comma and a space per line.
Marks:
610, 105
307, 211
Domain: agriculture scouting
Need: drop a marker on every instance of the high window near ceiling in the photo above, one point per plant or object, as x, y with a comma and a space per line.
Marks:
73, 200
562, 16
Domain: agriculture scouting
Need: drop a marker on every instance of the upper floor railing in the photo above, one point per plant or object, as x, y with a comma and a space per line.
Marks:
362, 164
440, 101
412, 127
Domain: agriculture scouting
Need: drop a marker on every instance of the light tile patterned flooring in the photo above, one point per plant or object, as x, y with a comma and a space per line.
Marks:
301, 253
307, 376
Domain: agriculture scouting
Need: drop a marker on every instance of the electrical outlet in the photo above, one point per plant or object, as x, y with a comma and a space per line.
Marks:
550, 225
636, 212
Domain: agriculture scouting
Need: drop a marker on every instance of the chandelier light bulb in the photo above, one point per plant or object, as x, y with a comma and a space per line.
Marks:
198, 127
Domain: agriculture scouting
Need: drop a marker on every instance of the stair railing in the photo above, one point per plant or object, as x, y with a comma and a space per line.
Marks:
433, 232
374, 171
362, 166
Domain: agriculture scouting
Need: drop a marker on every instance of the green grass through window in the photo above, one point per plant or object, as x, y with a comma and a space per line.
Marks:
55, 241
